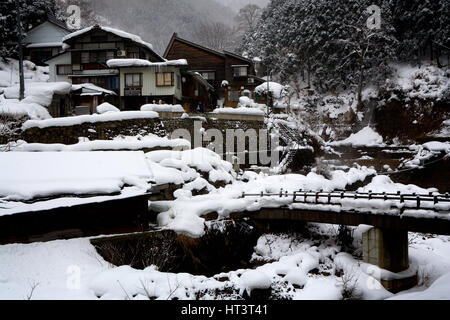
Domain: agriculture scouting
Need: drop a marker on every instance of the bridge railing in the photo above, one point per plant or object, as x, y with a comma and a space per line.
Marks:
314, 197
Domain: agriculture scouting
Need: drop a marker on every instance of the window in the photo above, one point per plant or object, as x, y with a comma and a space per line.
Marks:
240, 71
209, 75
133, 53
178, 82
64, 69
164, 79
113, 83
85, 57
101, 57
133, 80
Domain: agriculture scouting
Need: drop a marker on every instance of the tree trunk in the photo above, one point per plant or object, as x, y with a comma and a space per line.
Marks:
360, 83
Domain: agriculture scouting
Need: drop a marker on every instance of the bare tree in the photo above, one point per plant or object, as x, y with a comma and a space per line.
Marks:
216, 35
248, 17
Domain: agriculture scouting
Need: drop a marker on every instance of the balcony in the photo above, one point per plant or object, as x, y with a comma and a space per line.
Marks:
133, 92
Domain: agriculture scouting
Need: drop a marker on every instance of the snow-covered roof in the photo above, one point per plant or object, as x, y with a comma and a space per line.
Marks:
91, 88
117, 32
45, 45
91, 173
122, 63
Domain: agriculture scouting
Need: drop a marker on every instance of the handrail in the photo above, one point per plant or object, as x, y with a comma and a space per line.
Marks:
418, 198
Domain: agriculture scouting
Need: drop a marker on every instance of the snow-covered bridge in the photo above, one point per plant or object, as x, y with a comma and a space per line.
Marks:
391, 216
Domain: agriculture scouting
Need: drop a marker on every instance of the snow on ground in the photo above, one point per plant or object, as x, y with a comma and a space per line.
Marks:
425, 82
72, 121
426, 152
184, 215
178, 167
9, 72
295, 267
366, 137
29, 175
38, 92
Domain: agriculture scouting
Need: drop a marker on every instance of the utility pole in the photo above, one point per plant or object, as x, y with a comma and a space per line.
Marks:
19, 33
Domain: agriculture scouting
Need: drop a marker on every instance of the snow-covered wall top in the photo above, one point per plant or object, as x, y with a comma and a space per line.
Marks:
162, 108
122, 63
241, 110
71, 121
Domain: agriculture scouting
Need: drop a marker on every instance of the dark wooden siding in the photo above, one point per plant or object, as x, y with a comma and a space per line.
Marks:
199, 60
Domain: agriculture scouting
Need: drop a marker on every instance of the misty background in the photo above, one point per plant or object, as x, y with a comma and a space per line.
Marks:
212, 23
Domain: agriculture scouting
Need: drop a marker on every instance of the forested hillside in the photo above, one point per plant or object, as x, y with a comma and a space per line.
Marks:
337, 45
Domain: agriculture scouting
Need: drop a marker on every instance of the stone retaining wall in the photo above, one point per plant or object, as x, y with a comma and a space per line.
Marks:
93, 131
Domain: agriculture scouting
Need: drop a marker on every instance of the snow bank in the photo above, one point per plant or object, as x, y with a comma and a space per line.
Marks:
123, 63
178, 167
106, 107
120, 143
426, 82
49, 265
254, 279
9, 72
15, 107
184, 215
367, 137
72, 121
39, 92
162, 108
28, 175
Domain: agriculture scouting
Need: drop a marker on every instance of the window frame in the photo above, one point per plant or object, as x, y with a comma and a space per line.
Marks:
63, 65
132, 80
172, 81
239, 74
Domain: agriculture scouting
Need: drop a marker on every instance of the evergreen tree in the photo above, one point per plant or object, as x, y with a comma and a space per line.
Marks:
33, 12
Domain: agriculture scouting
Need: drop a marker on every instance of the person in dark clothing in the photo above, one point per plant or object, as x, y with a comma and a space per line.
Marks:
200, 107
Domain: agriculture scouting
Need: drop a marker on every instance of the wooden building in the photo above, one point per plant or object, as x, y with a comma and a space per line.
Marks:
229, 74
45, 40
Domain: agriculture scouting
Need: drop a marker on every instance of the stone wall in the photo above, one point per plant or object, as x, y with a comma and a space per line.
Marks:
93, 131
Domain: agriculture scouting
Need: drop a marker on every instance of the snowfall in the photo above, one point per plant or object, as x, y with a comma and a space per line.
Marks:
36, 177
